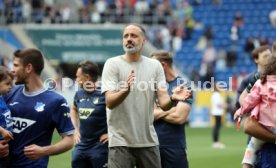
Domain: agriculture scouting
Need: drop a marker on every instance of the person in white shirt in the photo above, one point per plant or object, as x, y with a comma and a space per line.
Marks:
217, 110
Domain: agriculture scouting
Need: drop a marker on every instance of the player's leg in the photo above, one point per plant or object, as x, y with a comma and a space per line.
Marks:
120, 157
148, 157
79, 159
173, 158
98, 155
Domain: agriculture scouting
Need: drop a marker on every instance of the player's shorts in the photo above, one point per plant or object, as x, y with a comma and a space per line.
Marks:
173, 158
126, 157
95, 157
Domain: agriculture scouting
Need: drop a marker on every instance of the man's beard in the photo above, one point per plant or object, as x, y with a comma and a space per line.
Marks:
133, 49
20, 80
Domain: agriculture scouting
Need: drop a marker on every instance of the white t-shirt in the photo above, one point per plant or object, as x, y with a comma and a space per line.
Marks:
131, 123
216, 101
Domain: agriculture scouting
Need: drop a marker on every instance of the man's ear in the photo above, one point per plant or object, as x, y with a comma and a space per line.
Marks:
88, 77
29, 68
163, 64
256, 60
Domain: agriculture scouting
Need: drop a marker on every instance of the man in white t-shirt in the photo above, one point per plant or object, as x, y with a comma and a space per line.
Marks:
129, 83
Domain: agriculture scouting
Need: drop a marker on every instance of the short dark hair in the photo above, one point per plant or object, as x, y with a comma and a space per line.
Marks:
162, 55
257, 51
269, 68
90, 68
31, 56
5, 73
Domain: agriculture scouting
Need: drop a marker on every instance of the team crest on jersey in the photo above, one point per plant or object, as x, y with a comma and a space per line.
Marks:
96, 100
64, 104
13, 103
84, 113
39, 107
20, 124
81, 100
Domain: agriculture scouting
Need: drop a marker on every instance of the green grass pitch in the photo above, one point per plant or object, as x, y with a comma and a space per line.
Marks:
200, 153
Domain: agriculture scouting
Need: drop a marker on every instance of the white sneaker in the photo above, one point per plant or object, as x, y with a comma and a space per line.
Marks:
218, 145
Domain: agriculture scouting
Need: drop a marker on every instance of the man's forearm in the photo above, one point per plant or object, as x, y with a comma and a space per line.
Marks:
65, 144
113, 99
255, 129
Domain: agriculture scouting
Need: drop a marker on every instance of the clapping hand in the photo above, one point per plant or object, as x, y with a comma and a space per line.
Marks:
181, 93
130, 80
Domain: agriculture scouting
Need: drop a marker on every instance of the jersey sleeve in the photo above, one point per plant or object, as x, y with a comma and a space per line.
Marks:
62, 119
190, 99
252, 82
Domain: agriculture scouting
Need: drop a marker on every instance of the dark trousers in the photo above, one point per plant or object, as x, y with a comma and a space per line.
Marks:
216, 128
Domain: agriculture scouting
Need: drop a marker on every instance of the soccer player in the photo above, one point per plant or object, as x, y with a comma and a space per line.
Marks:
129, 82
266, 157
259, 97
170, 125
260, 56
36, 112
89, 119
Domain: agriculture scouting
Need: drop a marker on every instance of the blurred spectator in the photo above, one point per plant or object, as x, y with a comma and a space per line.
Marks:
208, 62
195, 76
208, 34
2, 7
83, 15
235, 29
166, 38
263, 41
142, 8
55, 16
209, 55
65, 13
272, 17
37, 13
218, 105
239, 21
100, 11
5, 61
231, 57
177, 41
249, 45
189, 27
221, 60
26, 11
157, 40
216, 2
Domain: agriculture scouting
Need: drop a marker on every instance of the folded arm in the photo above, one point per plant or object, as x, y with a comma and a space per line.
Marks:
255, 129
176, 115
